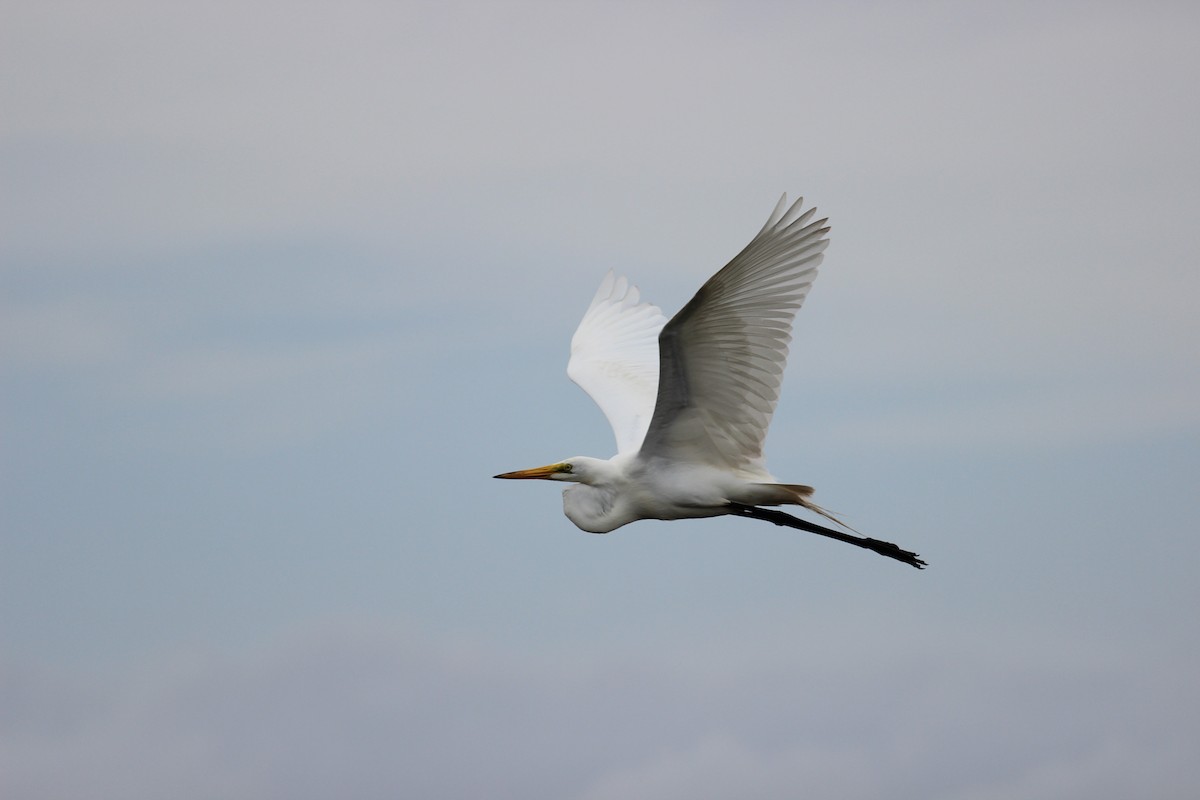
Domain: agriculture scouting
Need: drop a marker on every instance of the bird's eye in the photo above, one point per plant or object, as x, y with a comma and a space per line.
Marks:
566, 468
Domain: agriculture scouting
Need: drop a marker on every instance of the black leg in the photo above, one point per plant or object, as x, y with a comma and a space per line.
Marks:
779, 518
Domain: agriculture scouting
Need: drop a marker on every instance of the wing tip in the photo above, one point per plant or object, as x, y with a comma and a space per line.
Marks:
788, 216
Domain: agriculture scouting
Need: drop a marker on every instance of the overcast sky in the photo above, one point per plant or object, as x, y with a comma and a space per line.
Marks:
282, 285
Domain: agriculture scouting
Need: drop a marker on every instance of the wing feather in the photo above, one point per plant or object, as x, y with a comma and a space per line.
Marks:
614, 358
722, 356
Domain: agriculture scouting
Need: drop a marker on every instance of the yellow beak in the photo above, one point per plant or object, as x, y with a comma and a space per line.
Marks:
537, 472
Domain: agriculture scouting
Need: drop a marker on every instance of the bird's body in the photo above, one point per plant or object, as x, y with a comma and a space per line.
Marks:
626, 488
610, 493
690, 400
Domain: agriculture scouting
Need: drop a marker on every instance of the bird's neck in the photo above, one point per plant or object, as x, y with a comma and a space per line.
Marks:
598, 471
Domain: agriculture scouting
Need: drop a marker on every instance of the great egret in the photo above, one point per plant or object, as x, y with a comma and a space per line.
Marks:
690, 400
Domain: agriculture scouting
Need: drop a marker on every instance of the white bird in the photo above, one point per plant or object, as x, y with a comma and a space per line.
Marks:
690, 400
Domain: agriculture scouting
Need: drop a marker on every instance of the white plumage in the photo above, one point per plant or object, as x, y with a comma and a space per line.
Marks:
690, 400
614, 358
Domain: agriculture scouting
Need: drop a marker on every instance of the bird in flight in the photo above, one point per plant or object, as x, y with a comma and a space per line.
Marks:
690, 399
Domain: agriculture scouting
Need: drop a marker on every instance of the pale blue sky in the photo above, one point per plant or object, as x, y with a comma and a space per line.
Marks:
282, 286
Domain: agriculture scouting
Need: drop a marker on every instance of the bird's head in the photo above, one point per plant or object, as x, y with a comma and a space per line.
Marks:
575, 470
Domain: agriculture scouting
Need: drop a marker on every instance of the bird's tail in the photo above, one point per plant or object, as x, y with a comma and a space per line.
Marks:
797, 494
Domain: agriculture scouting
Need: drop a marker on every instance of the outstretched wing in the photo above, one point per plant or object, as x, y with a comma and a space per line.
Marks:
722, 356
614, 358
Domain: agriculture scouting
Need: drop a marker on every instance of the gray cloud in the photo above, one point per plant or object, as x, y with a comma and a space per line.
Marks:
379, 710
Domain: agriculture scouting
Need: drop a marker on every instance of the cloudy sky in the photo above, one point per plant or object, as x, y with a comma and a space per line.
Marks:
283, 284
